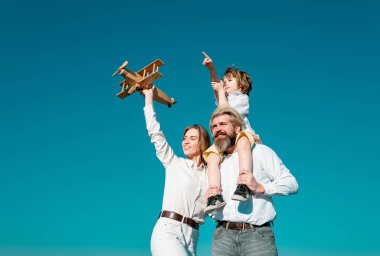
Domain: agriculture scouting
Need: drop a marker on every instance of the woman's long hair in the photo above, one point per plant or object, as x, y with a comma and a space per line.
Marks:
204, 138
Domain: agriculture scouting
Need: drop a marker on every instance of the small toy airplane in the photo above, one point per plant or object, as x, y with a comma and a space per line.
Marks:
141, 80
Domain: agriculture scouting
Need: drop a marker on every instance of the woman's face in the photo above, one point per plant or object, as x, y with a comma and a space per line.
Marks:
190, 143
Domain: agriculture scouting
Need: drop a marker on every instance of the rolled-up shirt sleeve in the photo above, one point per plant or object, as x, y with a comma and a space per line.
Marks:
163, 150
282, 181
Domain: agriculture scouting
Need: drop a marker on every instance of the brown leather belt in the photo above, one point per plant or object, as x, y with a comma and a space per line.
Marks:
240, 225
178, 217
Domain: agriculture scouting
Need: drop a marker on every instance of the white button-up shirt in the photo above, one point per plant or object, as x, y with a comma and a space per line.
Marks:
268, 170
185, 183
240, 102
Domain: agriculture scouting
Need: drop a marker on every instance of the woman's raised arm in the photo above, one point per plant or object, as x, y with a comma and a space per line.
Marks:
163, 150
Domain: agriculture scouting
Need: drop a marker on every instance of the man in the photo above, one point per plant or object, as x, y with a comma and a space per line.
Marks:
245, 228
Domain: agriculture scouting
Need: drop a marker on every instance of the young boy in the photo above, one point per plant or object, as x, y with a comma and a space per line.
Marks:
233, 91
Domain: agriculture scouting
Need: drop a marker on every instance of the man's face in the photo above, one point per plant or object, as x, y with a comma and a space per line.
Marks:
223, 132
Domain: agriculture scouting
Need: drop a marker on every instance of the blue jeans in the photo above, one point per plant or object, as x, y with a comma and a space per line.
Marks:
256, 241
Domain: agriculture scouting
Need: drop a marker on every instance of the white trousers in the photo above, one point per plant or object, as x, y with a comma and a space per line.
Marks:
171, 237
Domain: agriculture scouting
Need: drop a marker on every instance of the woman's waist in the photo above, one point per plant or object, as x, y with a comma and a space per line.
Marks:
194, 212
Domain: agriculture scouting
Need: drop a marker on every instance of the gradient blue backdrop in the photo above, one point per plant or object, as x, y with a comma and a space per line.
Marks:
78, 175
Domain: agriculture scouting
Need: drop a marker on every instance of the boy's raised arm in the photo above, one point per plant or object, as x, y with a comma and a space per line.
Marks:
216, 83
207, 62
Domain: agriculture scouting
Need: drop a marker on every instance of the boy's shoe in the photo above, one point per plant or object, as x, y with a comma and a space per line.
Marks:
242, 193
214, 203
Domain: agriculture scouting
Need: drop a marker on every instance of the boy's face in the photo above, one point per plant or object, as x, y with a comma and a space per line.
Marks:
230, 84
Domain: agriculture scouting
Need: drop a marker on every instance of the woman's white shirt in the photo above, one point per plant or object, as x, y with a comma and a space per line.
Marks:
185, 183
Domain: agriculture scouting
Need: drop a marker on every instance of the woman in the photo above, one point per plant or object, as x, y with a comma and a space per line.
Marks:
176, 231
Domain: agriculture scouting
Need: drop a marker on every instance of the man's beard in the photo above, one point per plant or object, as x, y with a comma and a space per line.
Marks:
222, 144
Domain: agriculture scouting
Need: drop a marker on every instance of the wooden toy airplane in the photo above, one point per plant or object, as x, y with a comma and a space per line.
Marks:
141, 80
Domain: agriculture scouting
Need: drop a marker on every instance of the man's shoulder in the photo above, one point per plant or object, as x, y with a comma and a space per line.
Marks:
258, 149
262, 149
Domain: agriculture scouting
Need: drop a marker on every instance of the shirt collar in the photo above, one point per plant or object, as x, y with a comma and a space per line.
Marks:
191, 164
235, 93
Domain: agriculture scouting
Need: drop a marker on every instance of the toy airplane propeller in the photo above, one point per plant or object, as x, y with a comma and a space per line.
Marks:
141, 80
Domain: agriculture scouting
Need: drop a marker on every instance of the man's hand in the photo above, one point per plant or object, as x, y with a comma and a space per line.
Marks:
248, 179
207, 62
213, 191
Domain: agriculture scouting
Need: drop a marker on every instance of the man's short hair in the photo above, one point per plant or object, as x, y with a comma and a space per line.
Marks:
235, 118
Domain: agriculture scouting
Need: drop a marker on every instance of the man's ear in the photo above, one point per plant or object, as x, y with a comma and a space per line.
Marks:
237, 129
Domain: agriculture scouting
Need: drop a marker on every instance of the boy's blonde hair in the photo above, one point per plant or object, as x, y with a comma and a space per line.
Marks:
243, 80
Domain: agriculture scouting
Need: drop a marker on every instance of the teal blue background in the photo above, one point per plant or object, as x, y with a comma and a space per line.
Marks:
78, 175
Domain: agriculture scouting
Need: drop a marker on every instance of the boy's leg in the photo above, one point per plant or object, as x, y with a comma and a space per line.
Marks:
244, 150
215, 200
213, 172
243, 147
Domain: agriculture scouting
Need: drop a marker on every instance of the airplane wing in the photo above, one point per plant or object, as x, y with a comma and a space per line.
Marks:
127, 90
151, 68
146, 81
162, 98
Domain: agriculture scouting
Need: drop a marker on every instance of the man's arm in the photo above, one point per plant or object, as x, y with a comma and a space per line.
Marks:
248, 179
282, 182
